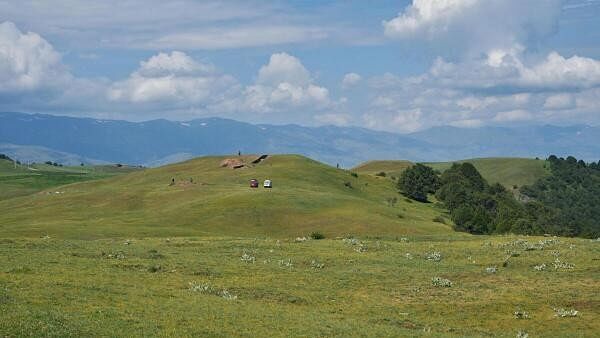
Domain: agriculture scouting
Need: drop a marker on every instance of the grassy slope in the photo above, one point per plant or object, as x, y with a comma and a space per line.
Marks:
59, 288
506, 171
24, 180
390, 167
307, 196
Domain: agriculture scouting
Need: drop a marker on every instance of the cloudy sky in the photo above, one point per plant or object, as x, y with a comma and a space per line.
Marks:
399, 66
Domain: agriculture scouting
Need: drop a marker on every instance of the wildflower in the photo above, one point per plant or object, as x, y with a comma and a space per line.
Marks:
247, 258
128, 242
565, 313
300, 239
540, 267
286, 263
433, 256
521, 314
441, 282
227, 295
200, 287
408, 255
491, 269
361, 247
522, 334
316, 265
562, 265
404, 240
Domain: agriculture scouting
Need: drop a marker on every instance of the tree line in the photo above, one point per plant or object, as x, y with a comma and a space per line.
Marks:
566, 202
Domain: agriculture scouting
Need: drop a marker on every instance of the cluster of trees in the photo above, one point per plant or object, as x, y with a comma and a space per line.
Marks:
570, 197
53, 164
5, 157
566, 202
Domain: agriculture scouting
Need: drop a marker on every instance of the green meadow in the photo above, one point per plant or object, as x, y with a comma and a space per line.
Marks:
135, 255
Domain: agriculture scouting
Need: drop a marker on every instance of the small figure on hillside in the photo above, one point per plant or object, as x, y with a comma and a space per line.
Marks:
337, 165
239, 153
191, 180
172, 181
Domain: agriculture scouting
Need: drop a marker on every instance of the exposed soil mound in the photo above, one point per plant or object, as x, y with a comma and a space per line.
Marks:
232, 163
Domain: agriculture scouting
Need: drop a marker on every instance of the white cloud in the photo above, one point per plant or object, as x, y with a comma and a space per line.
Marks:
476, 25
513, 115
157, 24
559, 101
174, 78
350, 80
506, 69
238, 37
28, 62
284, 83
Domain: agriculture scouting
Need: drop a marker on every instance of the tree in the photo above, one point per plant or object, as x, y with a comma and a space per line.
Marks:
418, 181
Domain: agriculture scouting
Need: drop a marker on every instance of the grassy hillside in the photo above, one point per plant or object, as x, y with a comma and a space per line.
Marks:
390, 167
307, 196
506, 171
23, 180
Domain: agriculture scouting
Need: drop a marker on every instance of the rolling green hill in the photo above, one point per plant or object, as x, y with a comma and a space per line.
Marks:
507, 171
390, 167
21, 180
307, 196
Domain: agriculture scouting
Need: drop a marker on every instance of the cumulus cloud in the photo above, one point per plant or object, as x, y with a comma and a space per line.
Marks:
174, 78
477, 25
499, 87
350, 80
28, 62
284, 83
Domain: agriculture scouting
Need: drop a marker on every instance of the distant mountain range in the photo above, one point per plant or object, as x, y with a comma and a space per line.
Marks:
70, 140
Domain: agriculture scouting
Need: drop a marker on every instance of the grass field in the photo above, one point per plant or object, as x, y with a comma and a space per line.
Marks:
201, 286
24, 180
132, 255
509, 172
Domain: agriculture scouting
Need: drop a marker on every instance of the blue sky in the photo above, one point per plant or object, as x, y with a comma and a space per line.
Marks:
399, 66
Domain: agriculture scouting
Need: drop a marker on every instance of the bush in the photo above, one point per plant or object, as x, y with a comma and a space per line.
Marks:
354, 174
439, 219
348, 185
381, 174
317, 235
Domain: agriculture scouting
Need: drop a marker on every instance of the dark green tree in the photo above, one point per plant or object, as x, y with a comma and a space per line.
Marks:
418, 181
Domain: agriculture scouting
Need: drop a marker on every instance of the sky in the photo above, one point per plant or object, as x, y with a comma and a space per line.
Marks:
399, 66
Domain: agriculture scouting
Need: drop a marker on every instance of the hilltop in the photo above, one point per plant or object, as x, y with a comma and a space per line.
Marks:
507, 171
209, 199
389, 167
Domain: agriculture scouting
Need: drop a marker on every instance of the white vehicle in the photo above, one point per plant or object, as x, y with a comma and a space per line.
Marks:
268, 184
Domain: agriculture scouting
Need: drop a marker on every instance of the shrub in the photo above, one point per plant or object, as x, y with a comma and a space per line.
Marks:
154, 268
354, 175
348, 184
439, 219
317, 235
381, 174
